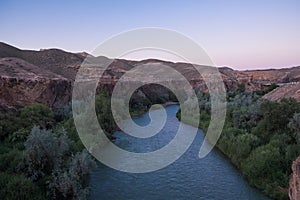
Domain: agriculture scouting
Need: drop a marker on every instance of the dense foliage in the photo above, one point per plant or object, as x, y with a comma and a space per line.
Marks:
41, 155
261, 138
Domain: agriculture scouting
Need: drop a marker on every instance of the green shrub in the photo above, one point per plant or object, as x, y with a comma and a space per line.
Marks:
292, 152
19, 135
37, 114
63, 112
276, 115
104, 113
9, 161
260, 137
294, 125
263, 166
9, 123
70, 183
44, 151
16, 187
26, 118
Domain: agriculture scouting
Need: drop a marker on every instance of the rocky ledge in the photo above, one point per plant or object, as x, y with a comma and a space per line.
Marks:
294, 190
22, 83
288, 90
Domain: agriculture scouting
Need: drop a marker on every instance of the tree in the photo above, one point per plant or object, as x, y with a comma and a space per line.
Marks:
44, 151
244, 144
104, 113
26, 118
276, 116
263, 165
15, 187
70, 183
37, 114
241, 88
247, 117
9, 123
9, 161
294, 125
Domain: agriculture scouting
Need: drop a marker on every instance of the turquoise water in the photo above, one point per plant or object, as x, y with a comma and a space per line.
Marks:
189, 178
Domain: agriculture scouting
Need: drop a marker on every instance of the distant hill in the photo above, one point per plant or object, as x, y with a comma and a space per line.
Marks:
46, 76
54, 60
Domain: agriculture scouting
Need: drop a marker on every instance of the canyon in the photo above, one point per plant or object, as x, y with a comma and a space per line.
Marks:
46, 76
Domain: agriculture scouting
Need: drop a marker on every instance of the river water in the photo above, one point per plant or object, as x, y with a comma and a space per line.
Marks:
189, 178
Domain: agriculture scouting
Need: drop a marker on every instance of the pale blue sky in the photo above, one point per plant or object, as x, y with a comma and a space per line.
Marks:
239, 34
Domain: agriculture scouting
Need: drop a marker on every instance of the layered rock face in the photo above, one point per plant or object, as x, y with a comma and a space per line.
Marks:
22, 83
294, 190
46, 76
289, 90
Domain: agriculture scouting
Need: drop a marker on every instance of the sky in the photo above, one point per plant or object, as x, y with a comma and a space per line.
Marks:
239, 34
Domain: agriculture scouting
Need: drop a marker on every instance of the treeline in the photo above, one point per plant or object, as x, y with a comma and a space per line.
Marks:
41, 155
262, 138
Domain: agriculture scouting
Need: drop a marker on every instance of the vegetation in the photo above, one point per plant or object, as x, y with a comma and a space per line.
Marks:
41, 155
25, 118
261, 138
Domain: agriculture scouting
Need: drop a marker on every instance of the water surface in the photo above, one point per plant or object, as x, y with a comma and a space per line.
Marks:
189, 178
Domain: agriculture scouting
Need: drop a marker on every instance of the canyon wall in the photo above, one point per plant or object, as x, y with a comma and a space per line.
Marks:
294, 190
47, 76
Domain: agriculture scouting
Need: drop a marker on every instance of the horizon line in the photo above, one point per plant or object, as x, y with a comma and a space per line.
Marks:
252, 68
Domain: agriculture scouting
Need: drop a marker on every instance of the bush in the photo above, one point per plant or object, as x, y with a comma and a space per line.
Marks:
37, 114
104, 113
292, 152
71, 131
263, 166
9, 123
247, 117
294, 125
64, 112
70, 182
44, 151
19, 135
237, 144
16, 187
26, 118
9, 161
243, 146
276, 115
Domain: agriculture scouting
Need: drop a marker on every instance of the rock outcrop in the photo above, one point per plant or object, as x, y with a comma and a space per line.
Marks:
289, 90
294, 190
22, 83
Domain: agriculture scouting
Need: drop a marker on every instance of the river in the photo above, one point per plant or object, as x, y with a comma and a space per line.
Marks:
189, 178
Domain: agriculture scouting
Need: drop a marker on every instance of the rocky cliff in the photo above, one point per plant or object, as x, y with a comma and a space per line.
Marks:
289, 90
46, 76
294, 190
22, 83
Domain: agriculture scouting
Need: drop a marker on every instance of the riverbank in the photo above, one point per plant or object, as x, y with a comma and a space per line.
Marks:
226, 155
258, 140
139, 112
170, 103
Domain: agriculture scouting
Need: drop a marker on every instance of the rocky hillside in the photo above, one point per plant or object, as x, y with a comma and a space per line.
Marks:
294, 191
286, 90
22, 83
46, 76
